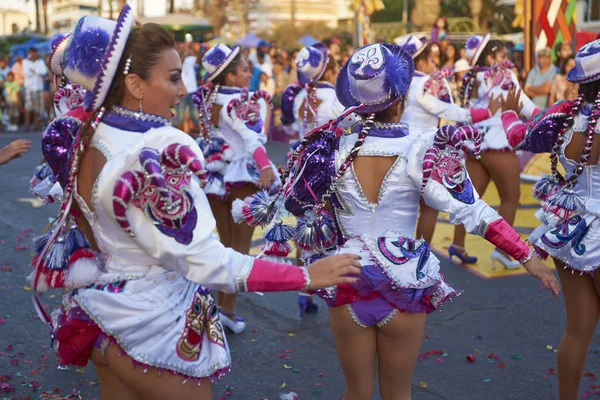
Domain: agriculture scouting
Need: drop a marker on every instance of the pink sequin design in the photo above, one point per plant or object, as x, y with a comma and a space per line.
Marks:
444, 164
248, 109
161, 191
499, 75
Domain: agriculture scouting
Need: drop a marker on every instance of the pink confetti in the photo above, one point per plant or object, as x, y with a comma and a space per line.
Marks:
2, 321
471, 358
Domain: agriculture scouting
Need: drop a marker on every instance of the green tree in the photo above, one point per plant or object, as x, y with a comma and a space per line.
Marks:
392, 11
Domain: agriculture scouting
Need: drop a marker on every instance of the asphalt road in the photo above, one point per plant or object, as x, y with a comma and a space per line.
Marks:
509, 317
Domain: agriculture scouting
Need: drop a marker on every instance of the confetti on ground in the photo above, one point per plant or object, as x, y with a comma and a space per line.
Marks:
501, 365
471, 358
549, 347
423, 385
516, 357
590, 375
487, 380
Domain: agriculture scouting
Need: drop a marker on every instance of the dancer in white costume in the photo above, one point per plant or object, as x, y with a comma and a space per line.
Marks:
429, 100
233, 125
134, 241
309, 104
570, 227
490, 77
359, 192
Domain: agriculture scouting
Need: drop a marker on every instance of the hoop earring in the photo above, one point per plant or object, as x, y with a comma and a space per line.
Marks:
141, 106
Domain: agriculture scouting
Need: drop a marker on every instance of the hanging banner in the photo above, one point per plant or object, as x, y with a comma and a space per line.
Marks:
550, 22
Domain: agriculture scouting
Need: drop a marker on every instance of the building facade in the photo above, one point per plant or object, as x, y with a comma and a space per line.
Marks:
588, 15
13, 21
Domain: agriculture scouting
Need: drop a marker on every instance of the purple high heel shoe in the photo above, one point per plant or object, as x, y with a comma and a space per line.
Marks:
306, 305
455, 251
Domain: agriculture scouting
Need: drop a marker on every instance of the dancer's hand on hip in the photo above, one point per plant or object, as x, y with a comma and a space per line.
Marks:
333, 270
537, 268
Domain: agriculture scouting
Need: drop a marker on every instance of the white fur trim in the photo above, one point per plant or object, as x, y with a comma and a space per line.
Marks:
82, 272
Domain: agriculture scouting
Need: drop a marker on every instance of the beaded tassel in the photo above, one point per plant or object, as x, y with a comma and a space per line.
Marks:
276, 245
254, 210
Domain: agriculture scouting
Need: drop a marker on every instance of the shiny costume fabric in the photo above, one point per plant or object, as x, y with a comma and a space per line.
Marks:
494, 137
240, 167
159, 275
575, 241
396, 267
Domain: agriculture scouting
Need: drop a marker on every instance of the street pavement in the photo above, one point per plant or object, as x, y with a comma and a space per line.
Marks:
508, 323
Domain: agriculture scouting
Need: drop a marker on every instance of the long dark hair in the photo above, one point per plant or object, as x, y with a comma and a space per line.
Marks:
231, 68
490, 49
589, 90
424, 54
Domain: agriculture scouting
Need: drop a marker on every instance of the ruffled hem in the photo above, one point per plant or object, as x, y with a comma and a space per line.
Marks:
95, 324
574, 242
424, 295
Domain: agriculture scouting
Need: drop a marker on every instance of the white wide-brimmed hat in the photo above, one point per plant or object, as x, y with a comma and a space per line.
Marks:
217, 59
93, 52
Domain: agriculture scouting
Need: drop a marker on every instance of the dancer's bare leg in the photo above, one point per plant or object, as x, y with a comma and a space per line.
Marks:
222, 212
120, 380
505, 170
582, 304
480, 178
241, 240
398, 346
357, 352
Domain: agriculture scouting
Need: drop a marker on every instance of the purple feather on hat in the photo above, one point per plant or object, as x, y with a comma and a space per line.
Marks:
55, 41
287, 103
472, 42
215, 57
87, 51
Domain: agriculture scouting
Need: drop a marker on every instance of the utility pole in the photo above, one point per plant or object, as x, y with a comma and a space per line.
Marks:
405, 14
293, 11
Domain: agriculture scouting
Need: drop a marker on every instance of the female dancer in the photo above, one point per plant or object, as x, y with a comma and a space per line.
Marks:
491, 77
236, 152
429, 100
569, 216
312, 102
359, 193
148, 239
308, 105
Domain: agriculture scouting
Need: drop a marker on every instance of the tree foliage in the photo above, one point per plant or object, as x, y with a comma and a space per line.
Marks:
392, 11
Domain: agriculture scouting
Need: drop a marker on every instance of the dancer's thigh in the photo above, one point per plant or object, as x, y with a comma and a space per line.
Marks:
146, 383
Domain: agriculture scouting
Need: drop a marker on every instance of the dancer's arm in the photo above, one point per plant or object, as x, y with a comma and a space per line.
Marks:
450, 190
194, 250
253, 140
539, 134
528, 109
449, 110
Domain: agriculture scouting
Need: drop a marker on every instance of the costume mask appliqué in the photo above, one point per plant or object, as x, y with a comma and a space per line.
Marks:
248, 109
402, 250
202, 317
161, 192
443, 162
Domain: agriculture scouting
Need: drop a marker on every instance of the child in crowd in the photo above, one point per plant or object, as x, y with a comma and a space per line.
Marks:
12, 91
